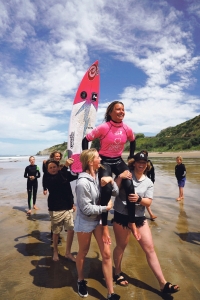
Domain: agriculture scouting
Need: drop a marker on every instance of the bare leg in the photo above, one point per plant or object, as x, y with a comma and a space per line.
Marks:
106, 258
134, 231
84, 244
122, 236
147, 246
180, 194
70, 236
35, 207
106, 235
152, 216
55, 247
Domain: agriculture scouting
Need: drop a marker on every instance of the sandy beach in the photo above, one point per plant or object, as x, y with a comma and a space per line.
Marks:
28, 272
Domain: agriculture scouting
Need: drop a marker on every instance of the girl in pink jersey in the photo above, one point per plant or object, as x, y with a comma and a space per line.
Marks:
113, 134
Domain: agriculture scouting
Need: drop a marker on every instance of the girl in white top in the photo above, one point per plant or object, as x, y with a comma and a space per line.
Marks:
143, 197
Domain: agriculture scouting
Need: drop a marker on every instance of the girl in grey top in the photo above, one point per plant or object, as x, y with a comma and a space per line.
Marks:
88, 219
143, 197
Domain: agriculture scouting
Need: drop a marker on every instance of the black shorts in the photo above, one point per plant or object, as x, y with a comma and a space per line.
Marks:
124, 220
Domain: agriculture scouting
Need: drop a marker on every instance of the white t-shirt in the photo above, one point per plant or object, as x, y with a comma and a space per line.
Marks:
143, 187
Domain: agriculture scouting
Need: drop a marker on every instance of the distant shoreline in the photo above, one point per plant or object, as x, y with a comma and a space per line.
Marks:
184, 154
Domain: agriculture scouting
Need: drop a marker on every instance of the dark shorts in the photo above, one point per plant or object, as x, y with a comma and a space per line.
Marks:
181, 182
124, 220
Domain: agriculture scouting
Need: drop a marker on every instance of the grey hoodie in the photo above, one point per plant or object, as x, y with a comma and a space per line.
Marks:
87, 195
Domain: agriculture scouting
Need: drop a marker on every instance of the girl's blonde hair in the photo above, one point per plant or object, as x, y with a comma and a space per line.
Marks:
179, 157
87, 156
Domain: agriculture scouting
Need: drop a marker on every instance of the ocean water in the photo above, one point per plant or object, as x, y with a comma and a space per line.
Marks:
18, 161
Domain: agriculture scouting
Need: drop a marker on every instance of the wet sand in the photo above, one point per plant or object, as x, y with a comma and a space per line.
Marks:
28, 272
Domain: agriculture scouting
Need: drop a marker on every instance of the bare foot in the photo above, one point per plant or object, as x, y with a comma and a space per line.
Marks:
134, 231
70, 257
153, 217
178, 199
106, 235
35, 207
29, 212
55, 256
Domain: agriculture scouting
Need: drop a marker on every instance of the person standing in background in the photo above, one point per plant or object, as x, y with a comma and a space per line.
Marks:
56, 155
32, 173
60, 203
151, 175
180, 173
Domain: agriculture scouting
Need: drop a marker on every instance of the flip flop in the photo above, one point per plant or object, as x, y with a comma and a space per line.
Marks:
170, 288
119, 279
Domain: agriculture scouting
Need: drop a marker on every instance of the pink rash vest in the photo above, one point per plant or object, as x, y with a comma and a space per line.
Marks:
113, 137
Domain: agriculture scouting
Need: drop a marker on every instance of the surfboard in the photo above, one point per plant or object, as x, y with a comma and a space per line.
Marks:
83, 114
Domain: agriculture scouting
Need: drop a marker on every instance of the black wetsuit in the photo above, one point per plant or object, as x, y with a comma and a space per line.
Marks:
32, 185
151, 173
44, 169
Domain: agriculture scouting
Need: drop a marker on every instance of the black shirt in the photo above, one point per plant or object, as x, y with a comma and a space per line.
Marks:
60, 192
180, 171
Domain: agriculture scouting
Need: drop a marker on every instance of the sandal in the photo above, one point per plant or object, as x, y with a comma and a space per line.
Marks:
170, 288
119, 279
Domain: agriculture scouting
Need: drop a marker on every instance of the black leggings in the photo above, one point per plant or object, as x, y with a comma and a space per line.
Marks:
32, 185
116, 166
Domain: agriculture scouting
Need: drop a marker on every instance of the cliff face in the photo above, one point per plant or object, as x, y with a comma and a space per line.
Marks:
60, 147
44, 152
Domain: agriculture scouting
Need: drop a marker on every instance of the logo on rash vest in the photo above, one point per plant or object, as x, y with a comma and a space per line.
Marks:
72, 139
93, 71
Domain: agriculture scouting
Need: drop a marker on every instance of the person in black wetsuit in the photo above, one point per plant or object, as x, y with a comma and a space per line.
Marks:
113, 135
32, 173
151, 175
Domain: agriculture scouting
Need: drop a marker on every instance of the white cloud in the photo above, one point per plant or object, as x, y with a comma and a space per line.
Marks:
48, 46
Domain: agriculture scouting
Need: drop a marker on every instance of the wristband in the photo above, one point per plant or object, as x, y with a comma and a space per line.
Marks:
139, 199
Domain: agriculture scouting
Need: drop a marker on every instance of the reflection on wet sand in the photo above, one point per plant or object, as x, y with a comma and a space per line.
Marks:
27, 270
182, 222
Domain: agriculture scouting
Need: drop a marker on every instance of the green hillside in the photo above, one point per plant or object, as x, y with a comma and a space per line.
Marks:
185, 136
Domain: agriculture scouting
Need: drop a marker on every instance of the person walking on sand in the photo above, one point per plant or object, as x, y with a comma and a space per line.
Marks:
150, 174
180, 173
32, 173
87, 220
56, 155
113, 135
60, 203
142, 197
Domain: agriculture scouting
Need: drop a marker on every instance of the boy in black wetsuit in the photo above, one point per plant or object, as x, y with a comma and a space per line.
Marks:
60, 203
32, 173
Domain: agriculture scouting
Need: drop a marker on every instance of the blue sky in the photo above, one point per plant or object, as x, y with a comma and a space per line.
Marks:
149, 58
